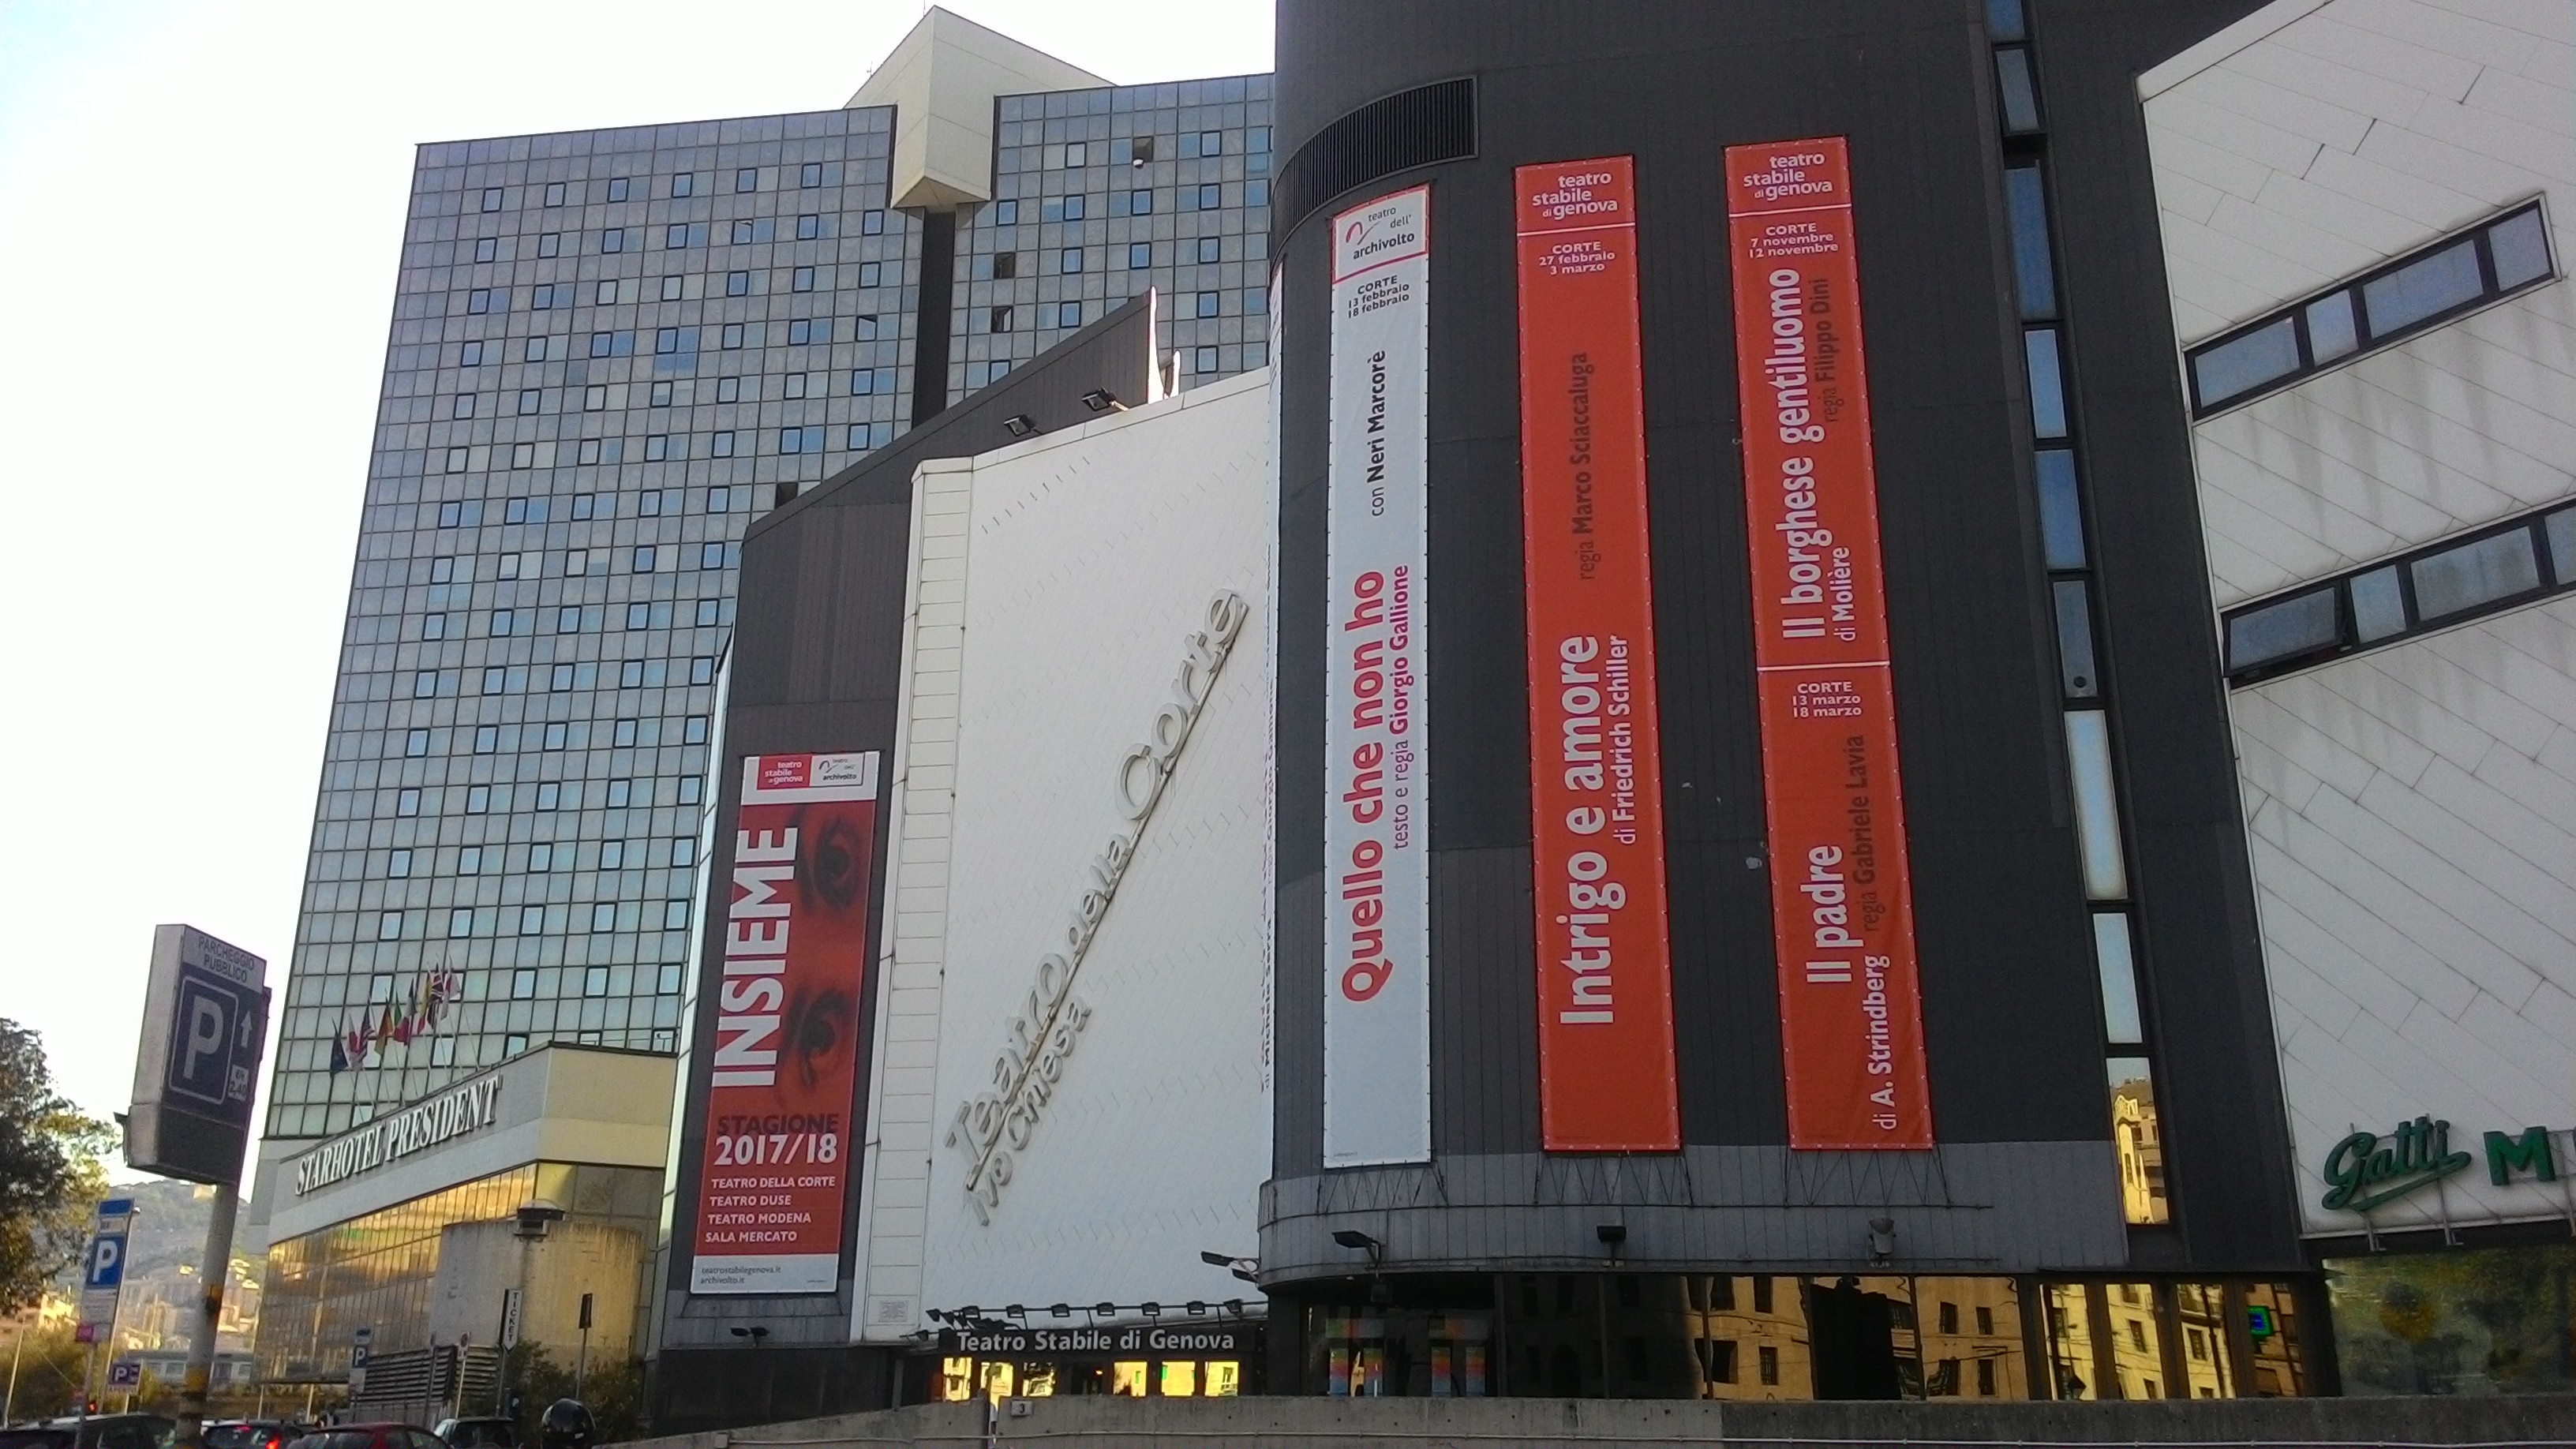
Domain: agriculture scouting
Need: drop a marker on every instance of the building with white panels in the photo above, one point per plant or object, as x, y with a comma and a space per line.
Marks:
1077, 853
2366, 210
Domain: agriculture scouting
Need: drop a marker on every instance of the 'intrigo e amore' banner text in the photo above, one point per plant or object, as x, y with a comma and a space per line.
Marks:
1605, 1006
1842, 910
1377, 811
782, 1069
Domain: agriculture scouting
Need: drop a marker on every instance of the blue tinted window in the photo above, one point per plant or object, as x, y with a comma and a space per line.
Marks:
2026, 201
2475, 573
2075, 665
2015, 90
2061, 515
2330, 327
2378, 605
2047, 383
2246, 363
2418, 290
2292, 626
2521, 250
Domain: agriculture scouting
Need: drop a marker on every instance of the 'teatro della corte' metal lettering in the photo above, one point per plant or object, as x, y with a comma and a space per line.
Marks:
993, 1124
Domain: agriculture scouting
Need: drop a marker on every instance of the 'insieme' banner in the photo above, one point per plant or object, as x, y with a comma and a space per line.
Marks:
782, 1068
1605, 1008
1377, 807
1842, 910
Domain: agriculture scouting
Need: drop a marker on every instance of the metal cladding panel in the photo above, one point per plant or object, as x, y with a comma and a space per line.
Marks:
1984, 1208
2010, 1016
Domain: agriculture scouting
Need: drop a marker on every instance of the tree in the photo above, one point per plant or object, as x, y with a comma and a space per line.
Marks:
50, 1367
50, 1173
614, 1393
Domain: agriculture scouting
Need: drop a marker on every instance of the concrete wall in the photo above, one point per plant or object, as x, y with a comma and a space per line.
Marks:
1268, 1423
479, 1262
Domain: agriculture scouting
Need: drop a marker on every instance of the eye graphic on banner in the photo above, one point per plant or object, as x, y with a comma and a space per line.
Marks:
1842, 904
1605, 1019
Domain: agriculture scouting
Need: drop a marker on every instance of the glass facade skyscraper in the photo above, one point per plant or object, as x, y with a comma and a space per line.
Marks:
1100, 194
610, 351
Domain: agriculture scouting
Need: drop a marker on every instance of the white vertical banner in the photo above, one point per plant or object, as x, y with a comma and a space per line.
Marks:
1377, 803
1270, 739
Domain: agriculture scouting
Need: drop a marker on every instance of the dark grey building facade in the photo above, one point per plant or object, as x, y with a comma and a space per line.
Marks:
2107, 1205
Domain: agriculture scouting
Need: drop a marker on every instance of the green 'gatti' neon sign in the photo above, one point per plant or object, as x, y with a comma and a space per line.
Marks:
2366, 1171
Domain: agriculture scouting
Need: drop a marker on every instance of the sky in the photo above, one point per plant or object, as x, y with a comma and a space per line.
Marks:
201, 206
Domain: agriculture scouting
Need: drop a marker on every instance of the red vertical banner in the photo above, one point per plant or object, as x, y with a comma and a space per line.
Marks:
784, 991
1605, 1001
1842, 907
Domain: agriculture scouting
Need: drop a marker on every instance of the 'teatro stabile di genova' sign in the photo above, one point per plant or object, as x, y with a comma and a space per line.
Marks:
2365, 1170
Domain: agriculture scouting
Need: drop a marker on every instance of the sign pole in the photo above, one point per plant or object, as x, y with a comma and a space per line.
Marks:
210, 1313
205, 1021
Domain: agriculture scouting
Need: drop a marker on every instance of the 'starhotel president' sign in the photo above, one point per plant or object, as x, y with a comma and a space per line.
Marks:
390, 1139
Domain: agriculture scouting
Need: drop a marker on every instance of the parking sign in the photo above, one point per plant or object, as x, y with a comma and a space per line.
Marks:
205, 1023
103, 1269
215, 1044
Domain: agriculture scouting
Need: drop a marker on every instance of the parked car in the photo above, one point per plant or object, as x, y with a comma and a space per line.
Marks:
481, 1433
253, 1434
101, 1431
369, 1436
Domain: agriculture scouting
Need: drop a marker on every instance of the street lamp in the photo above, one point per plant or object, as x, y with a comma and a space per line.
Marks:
1243, 1268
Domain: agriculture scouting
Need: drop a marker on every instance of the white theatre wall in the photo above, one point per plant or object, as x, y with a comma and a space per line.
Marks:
1057, 582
